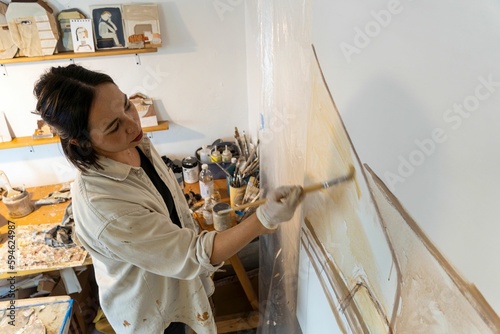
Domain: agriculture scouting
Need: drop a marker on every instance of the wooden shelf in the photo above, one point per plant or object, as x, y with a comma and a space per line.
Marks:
29, 141
71, 55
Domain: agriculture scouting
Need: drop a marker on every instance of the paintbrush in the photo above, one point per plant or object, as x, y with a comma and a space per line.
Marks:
223, 169
308, 189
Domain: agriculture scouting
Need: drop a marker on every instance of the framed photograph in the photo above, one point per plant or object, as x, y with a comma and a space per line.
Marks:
66, 41
142, 25
82, 36
108, 26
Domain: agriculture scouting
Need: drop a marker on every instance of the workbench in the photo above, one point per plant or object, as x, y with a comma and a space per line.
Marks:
54, 213
45, 214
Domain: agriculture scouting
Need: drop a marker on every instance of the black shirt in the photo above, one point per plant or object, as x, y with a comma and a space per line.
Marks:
161, 187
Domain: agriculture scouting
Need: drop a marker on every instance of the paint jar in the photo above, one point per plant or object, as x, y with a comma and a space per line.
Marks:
226, 155
222, 221
207, 210
18, 205
216, 156
205, 154
190, 169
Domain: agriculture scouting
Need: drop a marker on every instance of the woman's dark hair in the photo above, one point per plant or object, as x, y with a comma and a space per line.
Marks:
64, 98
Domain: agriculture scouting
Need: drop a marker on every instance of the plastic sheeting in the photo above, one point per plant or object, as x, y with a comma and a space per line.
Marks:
284, 55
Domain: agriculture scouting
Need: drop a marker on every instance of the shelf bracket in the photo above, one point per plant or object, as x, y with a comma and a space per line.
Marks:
137, 59
4, 70
72, 61
32, 149
150, 135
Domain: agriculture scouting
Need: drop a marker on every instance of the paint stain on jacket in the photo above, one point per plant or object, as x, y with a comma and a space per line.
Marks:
203, 317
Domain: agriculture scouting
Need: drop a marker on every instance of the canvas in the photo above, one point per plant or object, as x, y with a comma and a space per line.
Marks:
82, 35
379, 270
142, 25
33, 28
7, 47
64, 17
108, 26
344, 219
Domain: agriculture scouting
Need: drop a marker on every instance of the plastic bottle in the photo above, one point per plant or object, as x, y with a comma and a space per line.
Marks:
207, 210
206, 182
205, 154
232, 166
230, 170
226, 155
216, 156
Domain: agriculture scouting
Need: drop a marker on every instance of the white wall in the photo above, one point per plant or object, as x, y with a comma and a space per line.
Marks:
198, 79
399, 85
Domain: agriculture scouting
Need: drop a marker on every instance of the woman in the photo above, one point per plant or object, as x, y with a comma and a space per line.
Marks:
152, 268
107, 29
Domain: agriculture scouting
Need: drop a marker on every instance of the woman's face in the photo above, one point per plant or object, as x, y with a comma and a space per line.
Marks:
113, 122
81, 33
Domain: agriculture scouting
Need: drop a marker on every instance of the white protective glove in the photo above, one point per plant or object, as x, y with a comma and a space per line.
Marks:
280, 206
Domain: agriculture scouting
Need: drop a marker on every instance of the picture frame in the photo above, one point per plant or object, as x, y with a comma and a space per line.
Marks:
82, 35
142, 25
33, 28
108, 26
65, 43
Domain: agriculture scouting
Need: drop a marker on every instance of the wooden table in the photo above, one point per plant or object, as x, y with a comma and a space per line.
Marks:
54, 213
45, 214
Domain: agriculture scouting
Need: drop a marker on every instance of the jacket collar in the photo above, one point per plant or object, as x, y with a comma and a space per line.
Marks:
116, 170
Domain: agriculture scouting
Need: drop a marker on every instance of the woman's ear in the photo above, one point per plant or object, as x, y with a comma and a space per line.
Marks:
74, 142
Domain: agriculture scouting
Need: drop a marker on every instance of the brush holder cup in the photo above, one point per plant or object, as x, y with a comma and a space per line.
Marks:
236, 195
18, 205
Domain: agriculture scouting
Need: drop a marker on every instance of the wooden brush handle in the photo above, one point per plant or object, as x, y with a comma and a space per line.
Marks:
308, 189
247, 205
313, 187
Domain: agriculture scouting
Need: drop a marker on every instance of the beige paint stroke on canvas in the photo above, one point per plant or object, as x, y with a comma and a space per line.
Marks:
344, 218
434, 297
386, 275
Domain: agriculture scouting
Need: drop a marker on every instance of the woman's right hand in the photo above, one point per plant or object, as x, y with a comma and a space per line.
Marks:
280, 206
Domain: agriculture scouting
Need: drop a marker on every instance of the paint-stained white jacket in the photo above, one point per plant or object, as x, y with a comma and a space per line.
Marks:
149, 271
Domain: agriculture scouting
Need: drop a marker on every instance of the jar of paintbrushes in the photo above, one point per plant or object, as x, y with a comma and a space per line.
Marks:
243, 180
